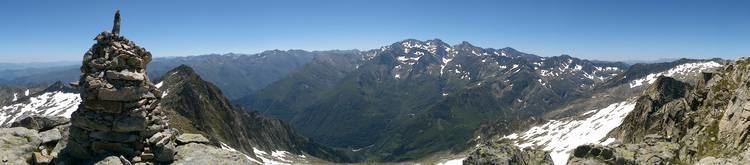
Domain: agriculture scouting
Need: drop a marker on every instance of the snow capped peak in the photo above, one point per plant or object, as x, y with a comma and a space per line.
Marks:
437, 42
412, 43
565, 66
464, 44
431, 46
507, 51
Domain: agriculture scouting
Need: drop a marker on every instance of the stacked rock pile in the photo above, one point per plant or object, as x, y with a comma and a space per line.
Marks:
119, 114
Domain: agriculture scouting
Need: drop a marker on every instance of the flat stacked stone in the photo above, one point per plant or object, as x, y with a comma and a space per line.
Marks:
119, 114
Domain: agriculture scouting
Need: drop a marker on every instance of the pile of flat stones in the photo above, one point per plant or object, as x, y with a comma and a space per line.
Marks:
119, 114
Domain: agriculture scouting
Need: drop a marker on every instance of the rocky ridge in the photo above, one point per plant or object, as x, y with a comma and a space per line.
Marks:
705, 123
588, 120
197, 106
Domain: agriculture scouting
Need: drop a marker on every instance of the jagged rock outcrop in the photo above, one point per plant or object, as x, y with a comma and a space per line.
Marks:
119, 113
505, 152
660, 103
708, 123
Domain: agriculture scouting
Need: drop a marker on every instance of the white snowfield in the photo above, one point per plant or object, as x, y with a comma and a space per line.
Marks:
560, 137
47, 104
679, 70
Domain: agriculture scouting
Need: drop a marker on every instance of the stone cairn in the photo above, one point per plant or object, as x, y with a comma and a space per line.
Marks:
119, 114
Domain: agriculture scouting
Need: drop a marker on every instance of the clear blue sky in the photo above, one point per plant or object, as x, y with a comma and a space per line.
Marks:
53, 30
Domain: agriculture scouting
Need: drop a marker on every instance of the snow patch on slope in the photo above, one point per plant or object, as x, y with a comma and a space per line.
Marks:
158, 85
47, 104
278, 157
683, 69
458, 161
230, 149
445, 62
560, 137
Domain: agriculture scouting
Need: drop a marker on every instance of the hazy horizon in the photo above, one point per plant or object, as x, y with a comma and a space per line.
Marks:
595, 30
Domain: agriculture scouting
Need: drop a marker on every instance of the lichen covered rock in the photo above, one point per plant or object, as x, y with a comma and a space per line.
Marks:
656, 150
707, 123
197, 153
18, 144
505, 152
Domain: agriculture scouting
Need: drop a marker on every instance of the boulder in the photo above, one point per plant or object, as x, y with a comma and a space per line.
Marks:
192, 138
654, 151
52, 135
505, 152
165, 152
742, 158
104, 106
123, 94
41, 123
125, 75
119, 148
17, 145
129, 124
40, 158
91, 121
113, 160
195, 153
114, 136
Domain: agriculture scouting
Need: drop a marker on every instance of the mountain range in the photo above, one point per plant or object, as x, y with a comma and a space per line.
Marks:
411, 101
238, 74
426, 93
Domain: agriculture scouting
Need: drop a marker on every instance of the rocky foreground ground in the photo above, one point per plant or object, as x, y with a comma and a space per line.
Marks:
42, 140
